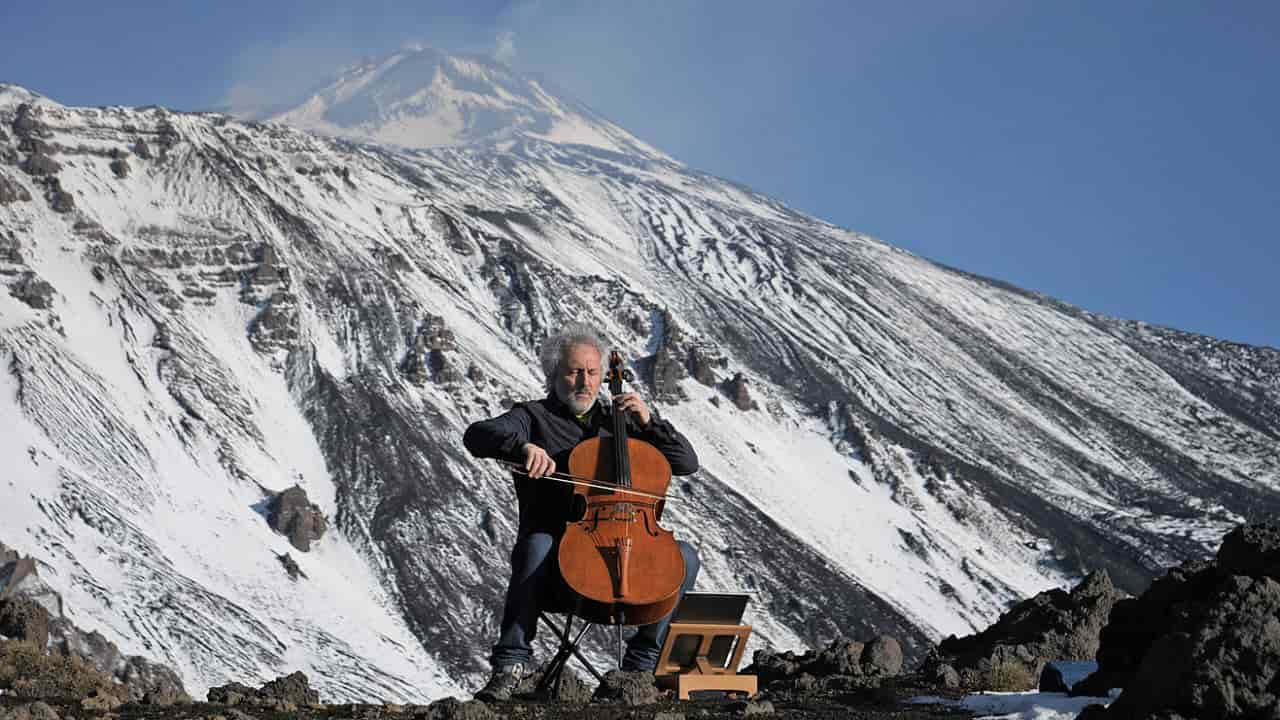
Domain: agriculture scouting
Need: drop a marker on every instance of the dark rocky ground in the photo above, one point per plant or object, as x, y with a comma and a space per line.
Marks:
1203, 642
876, 704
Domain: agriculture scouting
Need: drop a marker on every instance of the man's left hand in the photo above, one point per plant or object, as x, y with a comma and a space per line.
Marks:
633, 403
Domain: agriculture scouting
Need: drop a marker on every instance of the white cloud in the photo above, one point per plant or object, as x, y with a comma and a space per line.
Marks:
505, 49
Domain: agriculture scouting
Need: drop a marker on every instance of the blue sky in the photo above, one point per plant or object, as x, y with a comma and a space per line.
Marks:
1121, 156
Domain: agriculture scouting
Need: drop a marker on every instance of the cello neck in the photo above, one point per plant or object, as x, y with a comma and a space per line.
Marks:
621, 458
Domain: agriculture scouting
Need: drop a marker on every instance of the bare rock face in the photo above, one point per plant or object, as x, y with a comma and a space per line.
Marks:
33, 291
10, 254
11, 192
293, 515
1202, 642
23, 619
429, 359
142, 149
703, 363
1053, 625
291, 566
38, 164
736, 389
26, 122
59, 200
143, 680
276, 326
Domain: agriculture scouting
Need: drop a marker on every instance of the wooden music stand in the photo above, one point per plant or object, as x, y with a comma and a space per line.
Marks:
705, 645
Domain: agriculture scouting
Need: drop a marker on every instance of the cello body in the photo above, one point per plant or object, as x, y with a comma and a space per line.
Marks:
625, 568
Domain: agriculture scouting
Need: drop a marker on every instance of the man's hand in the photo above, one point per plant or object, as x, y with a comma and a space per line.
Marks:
537, 462
633, 403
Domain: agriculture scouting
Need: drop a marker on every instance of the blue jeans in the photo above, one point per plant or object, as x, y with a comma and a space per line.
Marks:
533, 569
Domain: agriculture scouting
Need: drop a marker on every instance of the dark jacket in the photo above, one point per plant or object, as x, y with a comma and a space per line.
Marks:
549, 424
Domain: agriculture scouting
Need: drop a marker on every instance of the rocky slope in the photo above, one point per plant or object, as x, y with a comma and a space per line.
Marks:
201, 313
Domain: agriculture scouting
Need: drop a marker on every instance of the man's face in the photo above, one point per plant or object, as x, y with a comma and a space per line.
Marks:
579, 378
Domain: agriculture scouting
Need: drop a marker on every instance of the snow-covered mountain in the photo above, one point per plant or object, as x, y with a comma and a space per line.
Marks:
201, 311
423, 98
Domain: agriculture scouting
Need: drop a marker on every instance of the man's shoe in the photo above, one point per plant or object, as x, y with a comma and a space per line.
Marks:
502, 683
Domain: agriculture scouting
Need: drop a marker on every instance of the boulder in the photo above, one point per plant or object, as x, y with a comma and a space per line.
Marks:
1053, 625
627, 688
289, 691
233, 693
151, 683
1252, 550
843, 664
882, 656
291, 566
572, 687
1225, 664
294, 688
120, 167
736, 389
1202, 642
455, 709
292, 514
1136, 623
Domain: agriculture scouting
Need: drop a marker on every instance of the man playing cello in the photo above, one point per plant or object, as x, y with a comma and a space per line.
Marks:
540, 435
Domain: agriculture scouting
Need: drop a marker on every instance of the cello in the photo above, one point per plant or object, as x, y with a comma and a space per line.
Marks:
624, 567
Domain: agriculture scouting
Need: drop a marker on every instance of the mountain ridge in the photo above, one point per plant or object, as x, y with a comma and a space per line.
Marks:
256, 307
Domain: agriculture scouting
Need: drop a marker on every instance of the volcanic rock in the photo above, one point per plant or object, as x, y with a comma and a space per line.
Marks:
1052, 625
293, 515
26, 122
60, 200
38, 163
843, 664
455, 709
31, 711
33, 291
23, 619
293, 689
1202, 642
572, 687
11, 191
627, 688
143, 680
882, 656
736, 389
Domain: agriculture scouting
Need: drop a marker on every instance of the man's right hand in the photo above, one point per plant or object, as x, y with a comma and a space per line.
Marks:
537, 462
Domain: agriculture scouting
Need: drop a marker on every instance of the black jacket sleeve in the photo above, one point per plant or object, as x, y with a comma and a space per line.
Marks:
662, 435
500, 437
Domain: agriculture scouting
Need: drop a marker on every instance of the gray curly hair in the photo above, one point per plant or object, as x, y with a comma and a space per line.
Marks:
555, 347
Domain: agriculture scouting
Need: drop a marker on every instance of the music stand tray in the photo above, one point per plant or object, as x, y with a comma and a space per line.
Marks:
705, 644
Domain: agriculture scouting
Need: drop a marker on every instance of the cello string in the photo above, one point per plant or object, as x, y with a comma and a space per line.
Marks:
584, 482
